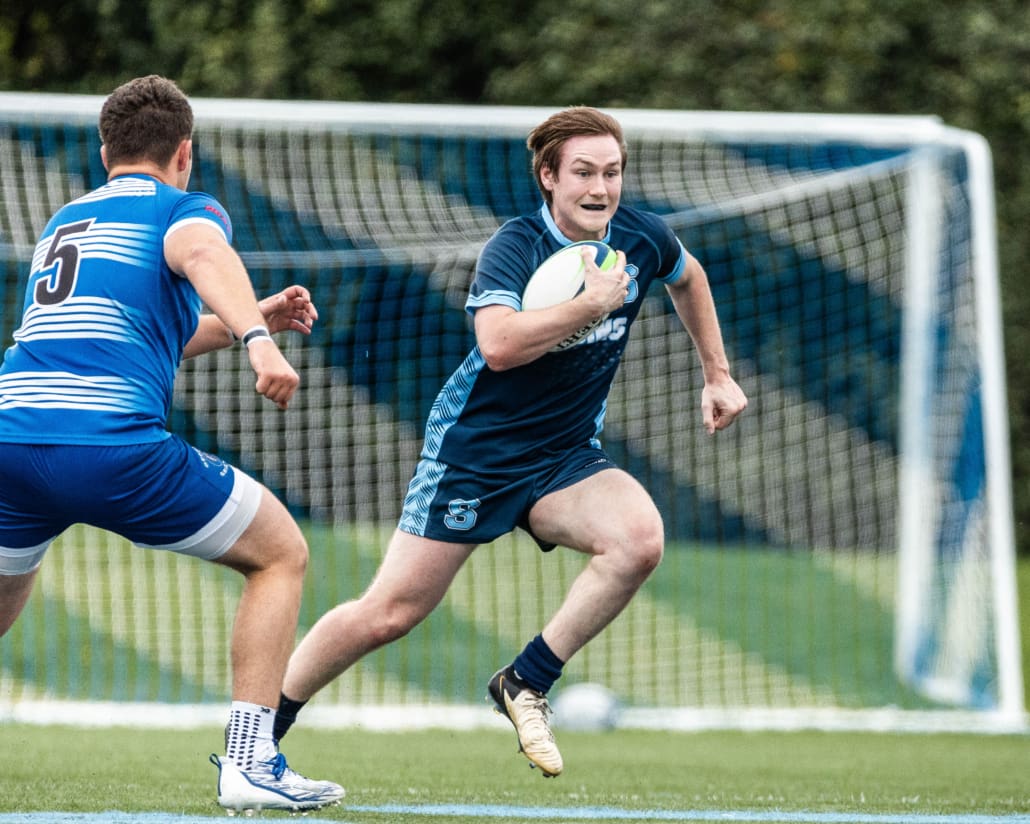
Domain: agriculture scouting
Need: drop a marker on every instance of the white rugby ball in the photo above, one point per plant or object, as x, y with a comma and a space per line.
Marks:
560, 278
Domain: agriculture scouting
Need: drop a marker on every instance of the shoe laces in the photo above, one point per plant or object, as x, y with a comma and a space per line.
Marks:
536, 710
277, 765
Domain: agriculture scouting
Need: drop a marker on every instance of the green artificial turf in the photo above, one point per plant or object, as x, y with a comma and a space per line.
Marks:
402, 777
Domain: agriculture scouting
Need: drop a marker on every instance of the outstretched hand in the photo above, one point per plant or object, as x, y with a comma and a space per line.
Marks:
289, 310
286, 311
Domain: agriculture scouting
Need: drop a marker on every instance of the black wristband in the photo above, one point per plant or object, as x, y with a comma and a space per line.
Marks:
255, 333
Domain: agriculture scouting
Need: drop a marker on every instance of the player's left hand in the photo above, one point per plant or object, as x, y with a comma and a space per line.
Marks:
276, 379
721, 402
289, 310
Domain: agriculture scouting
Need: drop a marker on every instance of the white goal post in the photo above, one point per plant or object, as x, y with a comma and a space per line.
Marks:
843, 558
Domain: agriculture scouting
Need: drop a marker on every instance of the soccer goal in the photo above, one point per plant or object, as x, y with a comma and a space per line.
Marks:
843, 556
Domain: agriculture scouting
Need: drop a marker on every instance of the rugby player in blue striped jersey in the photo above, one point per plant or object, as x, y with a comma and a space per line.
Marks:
113, 303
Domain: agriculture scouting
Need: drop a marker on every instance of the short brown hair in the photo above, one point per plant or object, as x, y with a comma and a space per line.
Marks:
548, 139
145, 120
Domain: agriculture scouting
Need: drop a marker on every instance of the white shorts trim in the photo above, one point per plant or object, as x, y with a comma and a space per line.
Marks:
22, 560
217, 537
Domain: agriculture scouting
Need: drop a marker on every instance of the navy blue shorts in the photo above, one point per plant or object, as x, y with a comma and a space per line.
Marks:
163, 495
469, 506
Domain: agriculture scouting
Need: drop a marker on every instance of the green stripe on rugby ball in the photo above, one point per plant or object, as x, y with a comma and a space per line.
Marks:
560, 277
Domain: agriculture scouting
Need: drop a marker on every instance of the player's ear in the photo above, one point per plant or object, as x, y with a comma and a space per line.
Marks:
184, 155
547, 177
103, 156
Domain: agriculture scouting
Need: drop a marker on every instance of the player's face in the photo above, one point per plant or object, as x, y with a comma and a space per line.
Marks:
586, 188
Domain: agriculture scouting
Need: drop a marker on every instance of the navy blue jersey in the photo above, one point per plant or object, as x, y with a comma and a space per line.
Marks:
496, 421
105, 320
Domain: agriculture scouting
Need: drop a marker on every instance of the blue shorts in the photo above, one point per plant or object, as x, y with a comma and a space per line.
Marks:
468, 506
163, 495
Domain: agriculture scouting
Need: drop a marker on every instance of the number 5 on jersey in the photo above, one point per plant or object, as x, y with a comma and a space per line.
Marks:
64, 255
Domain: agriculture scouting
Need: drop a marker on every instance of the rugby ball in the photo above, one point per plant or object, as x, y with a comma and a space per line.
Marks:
560, 278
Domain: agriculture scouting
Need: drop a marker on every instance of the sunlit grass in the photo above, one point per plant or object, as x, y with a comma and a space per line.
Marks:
91, 770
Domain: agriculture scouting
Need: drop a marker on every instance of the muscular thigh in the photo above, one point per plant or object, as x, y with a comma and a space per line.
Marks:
417, 570
608, 507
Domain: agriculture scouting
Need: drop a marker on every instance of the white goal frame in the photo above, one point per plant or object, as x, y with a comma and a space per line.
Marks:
926, 133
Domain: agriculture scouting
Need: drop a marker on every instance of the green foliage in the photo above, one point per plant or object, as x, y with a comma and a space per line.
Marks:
967, 61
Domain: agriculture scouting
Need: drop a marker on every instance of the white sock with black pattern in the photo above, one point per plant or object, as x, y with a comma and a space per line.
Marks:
248, 735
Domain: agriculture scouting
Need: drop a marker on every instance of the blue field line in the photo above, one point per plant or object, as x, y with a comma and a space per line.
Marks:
509, 813
516, 813
113, 817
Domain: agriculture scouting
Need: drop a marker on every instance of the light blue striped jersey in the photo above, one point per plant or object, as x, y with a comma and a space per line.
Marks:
104, 319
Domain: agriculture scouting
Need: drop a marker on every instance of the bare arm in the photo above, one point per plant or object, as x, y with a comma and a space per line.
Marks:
721, 399
201, 254
211, 334
508, 338
288, 310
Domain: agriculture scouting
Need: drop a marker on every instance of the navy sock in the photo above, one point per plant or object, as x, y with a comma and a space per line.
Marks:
538, 666
285, 716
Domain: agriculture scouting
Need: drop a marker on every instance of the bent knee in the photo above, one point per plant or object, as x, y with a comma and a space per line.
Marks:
296, 555
647, 553
285, 555
288, 550
393, 623
640, 551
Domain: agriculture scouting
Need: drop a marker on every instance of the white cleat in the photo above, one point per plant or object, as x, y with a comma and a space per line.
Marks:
271, 785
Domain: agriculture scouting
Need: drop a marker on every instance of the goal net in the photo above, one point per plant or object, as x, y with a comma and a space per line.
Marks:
843, 555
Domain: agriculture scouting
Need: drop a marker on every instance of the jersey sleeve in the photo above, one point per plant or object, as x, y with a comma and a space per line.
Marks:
673, 254
196, 207
502, 270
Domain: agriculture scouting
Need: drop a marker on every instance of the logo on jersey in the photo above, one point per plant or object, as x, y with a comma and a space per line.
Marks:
633, 289
222, 217
609, 329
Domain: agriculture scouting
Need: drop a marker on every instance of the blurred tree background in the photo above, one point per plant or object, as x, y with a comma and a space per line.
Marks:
967, 61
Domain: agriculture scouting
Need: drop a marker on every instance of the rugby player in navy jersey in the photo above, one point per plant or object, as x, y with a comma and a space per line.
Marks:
113, 303
512, 439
